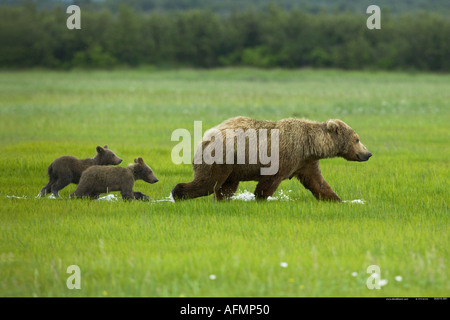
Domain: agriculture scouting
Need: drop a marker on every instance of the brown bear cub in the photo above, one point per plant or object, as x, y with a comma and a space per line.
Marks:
68, 169
302, 144
97, 180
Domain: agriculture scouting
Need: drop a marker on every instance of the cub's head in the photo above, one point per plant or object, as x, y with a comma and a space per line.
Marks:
106, 157
347, 141
143, 171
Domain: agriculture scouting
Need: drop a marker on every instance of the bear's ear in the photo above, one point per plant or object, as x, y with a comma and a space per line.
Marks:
100, 149
140, 160
332, 126
106, 147
135, 160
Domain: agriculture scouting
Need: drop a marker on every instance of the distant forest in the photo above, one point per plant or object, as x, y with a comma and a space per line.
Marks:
227, 6
414, 34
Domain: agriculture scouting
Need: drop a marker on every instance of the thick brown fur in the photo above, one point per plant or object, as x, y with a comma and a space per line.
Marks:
302, 143
68, 169
98, 179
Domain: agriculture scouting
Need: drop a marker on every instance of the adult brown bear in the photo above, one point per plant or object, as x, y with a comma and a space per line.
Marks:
301, 144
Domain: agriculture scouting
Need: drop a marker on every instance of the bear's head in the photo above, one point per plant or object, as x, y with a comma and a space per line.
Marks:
106, 157
347, 141
143, 171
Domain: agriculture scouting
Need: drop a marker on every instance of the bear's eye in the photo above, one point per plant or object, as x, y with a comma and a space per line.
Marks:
357, 140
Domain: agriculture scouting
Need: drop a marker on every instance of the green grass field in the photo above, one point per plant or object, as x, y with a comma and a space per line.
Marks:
172, 249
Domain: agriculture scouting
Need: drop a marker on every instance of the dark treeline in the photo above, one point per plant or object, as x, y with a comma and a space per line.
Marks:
227, 6
267, 38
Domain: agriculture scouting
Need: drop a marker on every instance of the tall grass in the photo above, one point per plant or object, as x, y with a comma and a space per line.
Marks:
171, 249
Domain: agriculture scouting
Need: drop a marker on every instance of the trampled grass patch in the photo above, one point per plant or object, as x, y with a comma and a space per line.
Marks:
160, 248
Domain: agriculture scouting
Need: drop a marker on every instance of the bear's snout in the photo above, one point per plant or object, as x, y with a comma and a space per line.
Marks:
364, 156
151, 179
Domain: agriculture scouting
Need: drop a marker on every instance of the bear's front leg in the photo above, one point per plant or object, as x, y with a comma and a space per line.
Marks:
311, 178
127, 195
140, 196
127, 192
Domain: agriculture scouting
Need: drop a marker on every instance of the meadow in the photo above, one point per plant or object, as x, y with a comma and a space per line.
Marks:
292, 246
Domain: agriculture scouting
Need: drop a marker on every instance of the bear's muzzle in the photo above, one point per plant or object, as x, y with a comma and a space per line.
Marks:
364, 156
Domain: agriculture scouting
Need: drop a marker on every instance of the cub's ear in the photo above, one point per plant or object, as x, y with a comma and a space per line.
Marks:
140, 160
135, 160
106, 147
332, 126
100, 149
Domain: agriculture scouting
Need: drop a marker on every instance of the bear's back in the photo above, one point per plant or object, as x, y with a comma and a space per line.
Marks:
68, 162
107, 176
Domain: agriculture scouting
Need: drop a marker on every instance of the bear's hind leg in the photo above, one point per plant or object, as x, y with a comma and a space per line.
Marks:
51, 180
60, 184
266, 187
46, 189
193, 189
227, 190
81, 191
203, 186
78, 194
94, 195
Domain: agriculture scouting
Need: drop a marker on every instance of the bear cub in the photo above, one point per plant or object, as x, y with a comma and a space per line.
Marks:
97, 180
68, 169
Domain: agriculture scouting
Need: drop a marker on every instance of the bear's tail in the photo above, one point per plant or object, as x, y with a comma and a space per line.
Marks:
52, 175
